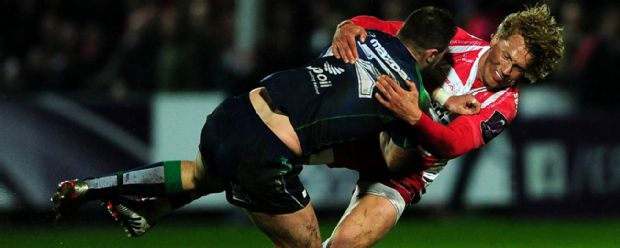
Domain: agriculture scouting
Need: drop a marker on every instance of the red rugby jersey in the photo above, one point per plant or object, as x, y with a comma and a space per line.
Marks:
440, 135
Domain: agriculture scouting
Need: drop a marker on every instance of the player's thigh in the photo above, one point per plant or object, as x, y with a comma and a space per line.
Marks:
297, 229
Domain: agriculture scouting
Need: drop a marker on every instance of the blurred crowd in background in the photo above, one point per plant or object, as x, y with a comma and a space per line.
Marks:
117, 48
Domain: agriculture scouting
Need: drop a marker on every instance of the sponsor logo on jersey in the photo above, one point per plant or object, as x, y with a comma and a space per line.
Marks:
387, 58
367, 72
493, 126
382, 57
319, 78
332, 69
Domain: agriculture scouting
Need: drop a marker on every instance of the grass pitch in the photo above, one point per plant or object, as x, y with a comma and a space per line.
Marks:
410, 232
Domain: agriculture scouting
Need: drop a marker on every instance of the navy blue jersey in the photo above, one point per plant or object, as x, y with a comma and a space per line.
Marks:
329, 101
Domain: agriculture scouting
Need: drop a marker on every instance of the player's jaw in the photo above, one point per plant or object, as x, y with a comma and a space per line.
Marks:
504, 63
494, 78
491, 74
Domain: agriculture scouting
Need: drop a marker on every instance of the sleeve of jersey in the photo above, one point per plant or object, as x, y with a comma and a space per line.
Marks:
371, 22
466, 132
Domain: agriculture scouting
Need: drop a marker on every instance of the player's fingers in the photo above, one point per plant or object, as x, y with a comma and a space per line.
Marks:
342, 51
474, 106
470, 111
348, 54
411, 86
381, 100
343, 54
352, 49
335, 50
363, 35
342, 41
388, 87
393, 85
473, 103
381, 86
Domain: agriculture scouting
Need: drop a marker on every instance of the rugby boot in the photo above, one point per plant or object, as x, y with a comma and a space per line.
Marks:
69, 197
136, 216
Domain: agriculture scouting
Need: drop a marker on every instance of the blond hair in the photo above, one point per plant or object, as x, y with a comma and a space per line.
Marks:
542, 36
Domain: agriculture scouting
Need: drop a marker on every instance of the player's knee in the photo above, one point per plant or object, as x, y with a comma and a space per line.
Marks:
299, 229
311, 239
314, 236
345, 239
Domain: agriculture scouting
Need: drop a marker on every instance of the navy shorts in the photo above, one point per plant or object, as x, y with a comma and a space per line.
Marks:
261, 172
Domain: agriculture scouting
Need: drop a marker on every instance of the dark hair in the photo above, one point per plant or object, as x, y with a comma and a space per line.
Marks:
428, 27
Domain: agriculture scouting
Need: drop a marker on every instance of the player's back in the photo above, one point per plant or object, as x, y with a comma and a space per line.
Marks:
329, 101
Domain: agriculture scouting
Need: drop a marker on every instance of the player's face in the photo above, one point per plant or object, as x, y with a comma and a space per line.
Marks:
505, 62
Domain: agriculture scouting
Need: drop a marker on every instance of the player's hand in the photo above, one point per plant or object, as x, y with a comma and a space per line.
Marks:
463, 105
343, 43
403, 103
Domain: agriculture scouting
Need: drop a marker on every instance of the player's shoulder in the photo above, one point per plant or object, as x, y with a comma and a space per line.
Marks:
380, 35
463, 38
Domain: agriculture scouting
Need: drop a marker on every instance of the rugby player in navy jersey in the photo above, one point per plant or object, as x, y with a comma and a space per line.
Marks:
253, 145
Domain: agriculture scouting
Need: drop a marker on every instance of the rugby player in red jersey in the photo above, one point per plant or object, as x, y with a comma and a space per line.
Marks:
525, 48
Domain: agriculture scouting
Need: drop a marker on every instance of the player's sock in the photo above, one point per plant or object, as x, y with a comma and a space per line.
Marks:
159, 179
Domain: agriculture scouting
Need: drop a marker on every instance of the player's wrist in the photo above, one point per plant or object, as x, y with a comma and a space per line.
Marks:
414, 117
440, 95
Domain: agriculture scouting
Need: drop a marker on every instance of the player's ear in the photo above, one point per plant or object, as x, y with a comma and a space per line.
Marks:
494, 39
431, 56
